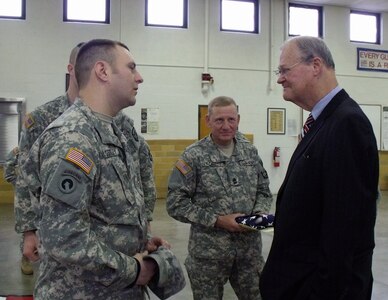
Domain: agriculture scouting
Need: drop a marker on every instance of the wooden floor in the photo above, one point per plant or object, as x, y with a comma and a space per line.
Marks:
12, 281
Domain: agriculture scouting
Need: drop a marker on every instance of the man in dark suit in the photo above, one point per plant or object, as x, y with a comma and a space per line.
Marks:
326, 207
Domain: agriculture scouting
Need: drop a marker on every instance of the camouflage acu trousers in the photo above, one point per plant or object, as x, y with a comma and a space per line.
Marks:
208, 277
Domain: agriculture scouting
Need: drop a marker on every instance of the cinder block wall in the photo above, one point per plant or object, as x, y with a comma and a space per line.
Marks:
165, 153
383, 180
6, 189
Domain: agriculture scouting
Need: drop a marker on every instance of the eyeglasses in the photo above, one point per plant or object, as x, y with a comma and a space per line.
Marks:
283, 71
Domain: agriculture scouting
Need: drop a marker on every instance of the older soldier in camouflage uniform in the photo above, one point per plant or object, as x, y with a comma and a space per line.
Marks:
92, 219
215, 180
36, 122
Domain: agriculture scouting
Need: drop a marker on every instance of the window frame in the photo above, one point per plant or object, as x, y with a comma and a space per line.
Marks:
107, 15
23, 13
307, 6
255, 16
185, 17
378, 26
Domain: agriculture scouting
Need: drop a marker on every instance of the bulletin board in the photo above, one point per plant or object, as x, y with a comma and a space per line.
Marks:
373, 112
384, 128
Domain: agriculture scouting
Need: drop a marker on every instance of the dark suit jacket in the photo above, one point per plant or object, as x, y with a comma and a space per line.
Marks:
326, 210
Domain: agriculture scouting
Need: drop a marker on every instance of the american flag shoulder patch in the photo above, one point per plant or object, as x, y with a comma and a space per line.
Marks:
28, 121
183, 167
80, 159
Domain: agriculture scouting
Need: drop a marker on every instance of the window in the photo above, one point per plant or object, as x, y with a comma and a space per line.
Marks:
13, 9
239, 15
91, 11
304, 20
166, 13
364, 27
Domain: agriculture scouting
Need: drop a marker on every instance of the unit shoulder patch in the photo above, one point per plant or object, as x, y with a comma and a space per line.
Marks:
78, 158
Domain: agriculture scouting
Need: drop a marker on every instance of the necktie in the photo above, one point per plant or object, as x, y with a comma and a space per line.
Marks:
307, 125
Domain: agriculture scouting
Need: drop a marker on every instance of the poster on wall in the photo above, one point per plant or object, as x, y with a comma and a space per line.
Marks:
150, 120
292, 128
385, 128
372, 60
373, 112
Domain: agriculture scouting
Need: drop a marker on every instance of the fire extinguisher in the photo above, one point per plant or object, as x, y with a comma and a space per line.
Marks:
276, 157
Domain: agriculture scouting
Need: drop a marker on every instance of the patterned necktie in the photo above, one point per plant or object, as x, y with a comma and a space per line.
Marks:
307, 125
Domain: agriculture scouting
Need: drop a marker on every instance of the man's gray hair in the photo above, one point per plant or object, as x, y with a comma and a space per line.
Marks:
311, 47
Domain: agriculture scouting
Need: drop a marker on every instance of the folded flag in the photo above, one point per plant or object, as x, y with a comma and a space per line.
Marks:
256, 221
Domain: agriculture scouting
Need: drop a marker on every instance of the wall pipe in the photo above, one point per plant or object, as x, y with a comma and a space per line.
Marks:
270, 50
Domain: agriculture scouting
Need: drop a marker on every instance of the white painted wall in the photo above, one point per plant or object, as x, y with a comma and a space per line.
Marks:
34, 55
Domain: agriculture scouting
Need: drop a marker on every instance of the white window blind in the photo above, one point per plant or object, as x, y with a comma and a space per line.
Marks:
11, 114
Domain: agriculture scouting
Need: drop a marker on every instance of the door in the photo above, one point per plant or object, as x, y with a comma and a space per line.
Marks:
203, 130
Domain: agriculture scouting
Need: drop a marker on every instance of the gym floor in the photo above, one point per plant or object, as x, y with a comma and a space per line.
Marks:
13, 282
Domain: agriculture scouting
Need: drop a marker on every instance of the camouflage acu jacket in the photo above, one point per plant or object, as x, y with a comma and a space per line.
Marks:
34, 125
92, 216
205, 184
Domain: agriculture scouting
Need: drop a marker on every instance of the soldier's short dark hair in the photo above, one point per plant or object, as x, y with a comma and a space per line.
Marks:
90, 53
74, 53
220, 101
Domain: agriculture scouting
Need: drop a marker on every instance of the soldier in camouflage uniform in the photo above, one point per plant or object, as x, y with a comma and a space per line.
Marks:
11, 172
92, 219
11, 166
36, 122
215, 180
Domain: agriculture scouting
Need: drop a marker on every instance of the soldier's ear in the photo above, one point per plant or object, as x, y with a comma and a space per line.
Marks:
70, 68
101, 70
207, 119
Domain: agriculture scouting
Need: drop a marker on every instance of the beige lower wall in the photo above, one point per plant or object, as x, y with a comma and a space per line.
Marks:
383, 180
6, 189
165, 154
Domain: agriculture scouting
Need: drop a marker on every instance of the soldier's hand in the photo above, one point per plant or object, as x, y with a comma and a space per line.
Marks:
229, 223
30, 245
139, 256
155, 242
148, 268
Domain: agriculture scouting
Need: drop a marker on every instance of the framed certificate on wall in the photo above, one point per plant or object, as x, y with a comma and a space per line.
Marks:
276, 119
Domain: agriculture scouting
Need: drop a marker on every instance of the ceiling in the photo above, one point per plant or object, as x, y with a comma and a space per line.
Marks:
367, 5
